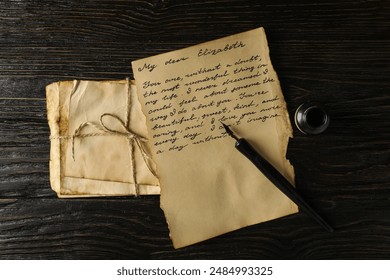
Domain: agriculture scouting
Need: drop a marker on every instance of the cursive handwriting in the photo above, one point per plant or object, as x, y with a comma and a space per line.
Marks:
174, 61
186, 105
147, 66
228, 47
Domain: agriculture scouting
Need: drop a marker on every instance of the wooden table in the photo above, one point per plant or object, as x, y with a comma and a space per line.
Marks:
335, 52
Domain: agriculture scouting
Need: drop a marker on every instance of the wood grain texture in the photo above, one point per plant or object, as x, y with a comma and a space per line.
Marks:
335, 52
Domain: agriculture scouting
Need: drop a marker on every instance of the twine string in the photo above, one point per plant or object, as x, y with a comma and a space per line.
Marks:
121, 129
133, 138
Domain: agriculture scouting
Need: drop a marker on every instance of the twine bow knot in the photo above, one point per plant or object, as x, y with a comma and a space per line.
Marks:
121, 130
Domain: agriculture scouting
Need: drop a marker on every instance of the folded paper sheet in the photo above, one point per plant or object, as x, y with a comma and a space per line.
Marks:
207, 187
98, 140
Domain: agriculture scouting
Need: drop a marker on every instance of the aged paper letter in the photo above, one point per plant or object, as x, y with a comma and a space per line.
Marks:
91, 152
207, 187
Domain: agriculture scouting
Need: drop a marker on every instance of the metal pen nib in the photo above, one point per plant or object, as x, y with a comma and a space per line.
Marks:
229, 131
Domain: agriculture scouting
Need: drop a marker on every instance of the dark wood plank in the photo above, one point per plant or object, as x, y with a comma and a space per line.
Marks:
112, 228
332, 52
24, 148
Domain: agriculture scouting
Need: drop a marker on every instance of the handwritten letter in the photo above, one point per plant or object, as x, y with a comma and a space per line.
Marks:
209, 188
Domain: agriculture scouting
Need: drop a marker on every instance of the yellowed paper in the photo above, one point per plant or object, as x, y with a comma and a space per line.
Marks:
94, 126
208, 187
